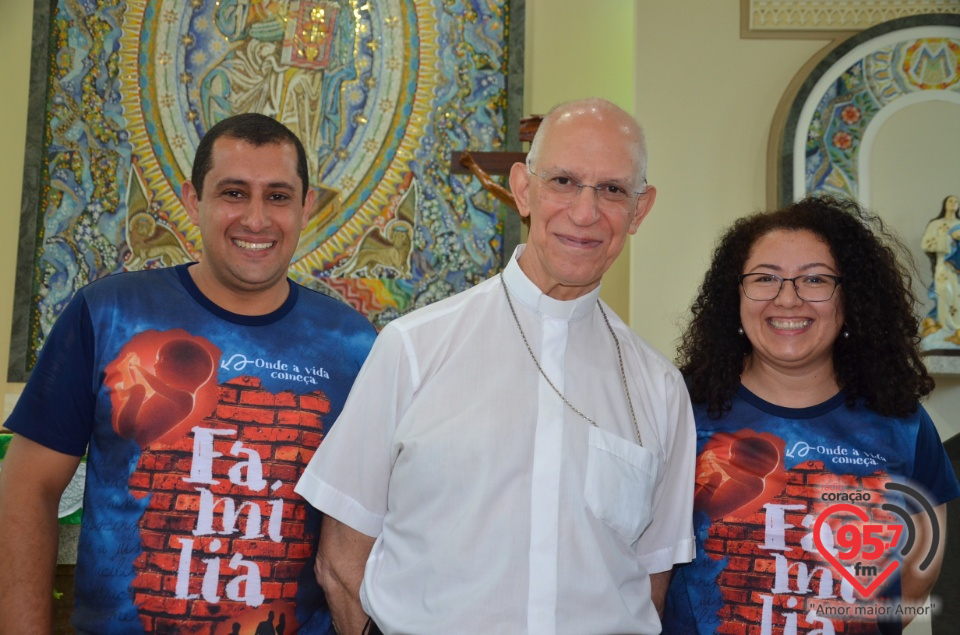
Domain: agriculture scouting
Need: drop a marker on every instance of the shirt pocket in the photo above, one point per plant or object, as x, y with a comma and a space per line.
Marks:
619, 483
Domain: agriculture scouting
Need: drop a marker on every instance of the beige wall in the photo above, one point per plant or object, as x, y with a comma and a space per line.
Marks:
16, 30
576, 49
914, 165
707, 98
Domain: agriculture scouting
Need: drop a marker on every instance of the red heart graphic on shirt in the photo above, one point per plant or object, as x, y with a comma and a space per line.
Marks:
832, 559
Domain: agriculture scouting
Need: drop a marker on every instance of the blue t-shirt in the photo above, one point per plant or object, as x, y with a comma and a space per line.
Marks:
197, 423
764, 476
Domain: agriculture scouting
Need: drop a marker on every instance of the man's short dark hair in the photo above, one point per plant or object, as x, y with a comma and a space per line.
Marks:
257, 130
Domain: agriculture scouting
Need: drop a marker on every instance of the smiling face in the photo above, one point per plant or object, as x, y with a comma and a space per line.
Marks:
572, 244
250, 216
789, 335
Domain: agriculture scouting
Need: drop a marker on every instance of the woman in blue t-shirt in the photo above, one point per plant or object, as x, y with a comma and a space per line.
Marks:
802, 363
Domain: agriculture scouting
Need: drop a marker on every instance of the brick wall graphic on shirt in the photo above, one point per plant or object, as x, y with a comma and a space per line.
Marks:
771, 578
221, 535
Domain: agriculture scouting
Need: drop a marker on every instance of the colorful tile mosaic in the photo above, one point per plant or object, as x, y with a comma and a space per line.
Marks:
866, 87
380, 92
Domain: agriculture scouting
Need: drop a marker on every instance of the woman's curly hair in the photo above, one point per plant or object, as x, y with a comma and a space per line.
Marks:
880, 360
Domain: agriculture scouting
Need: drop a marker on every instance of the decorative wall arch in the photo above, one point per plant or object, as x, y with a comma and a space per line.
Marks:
836, 114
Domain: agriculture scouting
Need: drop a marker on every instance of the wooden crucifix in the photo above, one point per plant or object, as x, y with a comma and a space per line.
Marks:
483, 165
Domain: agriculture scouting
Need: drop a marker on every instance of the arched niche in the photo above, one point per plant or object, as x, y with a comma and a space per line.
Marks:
834, 117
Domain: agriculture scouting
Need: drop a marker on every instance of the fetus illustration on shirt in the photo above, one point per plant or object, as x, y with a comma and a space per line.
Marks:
162, 383
737, 473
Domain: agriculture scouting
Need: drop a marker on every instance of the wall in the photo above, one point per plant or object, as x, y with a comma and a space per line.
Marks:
708, 163
914, 166
16, 29
576, 49
707, 99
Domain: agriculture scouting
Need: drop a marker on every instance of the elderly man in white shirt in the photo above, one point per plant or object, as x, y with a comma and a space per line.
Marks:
514, 459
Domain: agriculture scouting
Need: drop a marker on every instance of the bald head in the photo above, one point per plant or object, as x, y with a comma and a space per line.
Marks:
595, 110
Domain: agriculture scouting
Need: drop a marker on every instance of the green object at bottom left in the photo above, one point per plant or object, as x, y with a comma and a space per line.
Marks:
71, 502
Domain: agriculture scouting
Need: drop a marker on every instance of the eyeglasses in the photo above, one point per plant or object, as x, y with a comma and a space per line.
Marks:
813, 287
610, 196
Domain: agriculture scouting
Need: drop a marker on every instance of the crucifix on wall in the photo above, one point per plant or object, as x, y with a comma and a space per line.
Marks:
485, 165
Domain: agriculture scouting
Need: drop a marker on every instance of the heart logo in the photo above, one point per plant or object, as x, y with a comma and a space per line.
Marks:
832, 559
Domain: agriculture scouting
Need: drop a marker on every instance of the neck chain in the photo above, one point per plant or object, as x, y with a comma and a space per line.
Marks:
623, 374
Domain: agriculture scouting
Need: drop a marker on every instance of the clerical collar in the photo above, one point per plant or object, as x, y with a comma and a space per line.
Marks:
530, 295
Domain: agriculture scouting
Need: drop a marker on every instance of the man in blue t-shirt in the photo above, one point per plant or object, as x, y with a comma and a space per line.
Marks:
197, 394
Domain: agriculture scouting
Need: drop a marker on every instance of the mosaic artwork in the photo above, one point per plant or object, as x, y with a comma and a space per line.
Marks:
380, 92
850, 104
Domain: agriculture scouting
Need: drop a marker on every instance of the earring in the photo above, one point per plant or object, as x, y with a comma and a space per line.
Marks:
846, 334
740, 330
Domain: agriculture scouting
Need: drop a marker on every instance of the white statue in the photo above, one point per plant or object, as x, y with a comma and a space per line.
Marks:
941, 241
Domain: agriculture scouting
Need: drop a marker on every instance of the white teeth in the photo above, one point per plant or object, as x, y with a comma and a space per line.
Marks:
255, 246
790, 324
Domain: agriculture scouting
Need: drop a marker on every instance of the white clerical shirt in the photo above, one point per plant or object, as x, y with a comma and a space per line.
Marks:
496, 508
